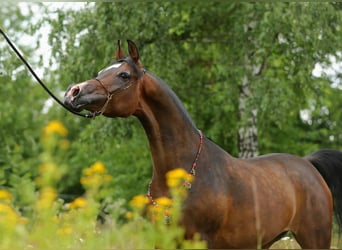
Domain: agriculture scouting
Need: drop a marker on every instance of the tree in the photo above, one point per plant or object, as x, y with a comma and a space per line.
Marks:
289, 51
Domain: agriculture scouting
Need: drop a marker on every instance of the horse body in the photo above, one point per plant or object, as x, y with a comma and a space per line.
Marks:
256, 201
233, 203
245, 191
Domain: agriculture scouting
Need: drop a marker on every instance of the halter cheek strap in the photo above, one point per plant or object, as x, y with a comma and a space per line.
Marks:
109, 97
111, 94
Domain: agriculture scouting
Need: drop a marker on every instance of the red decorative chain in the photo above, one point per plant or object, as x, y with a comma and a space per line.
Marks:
192, 172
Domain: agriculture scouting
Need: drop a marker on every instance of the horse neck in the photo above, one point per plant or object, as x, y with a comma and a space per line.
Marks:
172, 135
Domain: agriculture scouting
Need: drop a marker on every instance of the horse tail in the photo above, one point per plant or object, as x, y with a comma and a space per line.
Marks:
328, 162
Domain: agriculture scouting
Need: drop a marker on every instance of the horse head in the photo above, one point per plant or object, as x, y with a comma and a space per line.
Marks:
114, 91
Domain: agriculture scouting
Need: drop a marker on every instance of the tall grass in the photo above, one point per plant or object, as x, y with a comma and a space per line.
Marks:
90, 221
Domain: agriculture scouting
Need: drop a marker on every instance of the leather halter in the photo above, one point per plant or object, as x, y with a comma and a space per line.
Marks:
116, 91
109, 96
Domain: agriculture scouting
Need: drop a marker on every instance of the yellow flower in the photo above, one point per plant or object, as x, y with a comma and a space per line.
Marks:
47, 196
7, 214
177, 173
139, 201
5, 195
177, 177
98, 168
79, 202
164, 202
88, 171
55, 127
157, 213
95, 175
93, 181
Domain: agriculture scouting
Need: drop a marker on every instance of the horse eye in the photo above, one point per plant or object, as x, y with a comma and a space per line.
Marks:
124, 75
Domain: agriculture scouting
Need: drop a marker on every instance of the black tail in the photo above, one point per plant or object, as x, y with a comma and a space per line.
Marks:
329, 163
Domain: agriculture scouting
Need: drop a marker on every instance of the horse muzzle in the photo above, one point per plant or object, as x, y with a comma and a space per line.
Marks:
84, 95
72, 98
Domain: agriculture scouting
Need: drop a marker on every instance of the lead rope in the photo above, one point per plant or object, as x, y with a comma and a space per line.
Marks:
16, 51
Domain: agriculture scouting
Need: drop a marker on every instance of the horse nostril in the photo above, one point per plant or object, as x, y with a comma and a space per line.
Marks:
75, 91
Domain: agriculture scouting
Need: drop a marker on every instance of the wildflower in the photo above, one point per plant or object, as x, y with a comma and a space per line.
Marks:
139, 201
90, 180
5, 195
161, 209
95, 175
7, 214
79, 202
55, 127
98, 168
164, 202
47, 196
156, 212
178, 176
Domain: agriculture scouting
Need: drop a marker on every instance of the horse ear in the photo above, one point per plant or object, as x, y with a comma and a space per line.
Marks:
133, 51
119, 52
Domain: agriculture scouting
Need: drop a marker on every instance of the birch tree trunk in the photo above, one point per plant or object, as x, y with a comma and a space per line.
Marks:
248, 131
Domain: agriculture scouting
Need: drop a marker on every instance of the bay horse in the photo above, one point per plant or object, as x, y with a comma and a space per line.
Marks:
233, 203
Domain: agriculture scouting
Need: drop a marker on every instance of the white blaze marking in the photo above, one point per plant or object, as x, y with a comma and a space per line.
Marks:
113, 66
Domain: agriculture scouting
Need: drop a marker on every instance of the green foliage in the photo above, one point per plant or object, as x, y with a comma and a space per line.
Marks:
124, 150
21, 121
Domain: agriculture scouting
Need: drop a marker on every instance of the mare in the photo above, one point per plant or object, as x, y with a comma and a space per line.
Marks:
232, 203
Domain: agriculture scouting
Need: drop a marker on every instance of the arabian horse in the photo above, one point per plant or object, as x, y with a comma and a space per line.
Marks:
232, 203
